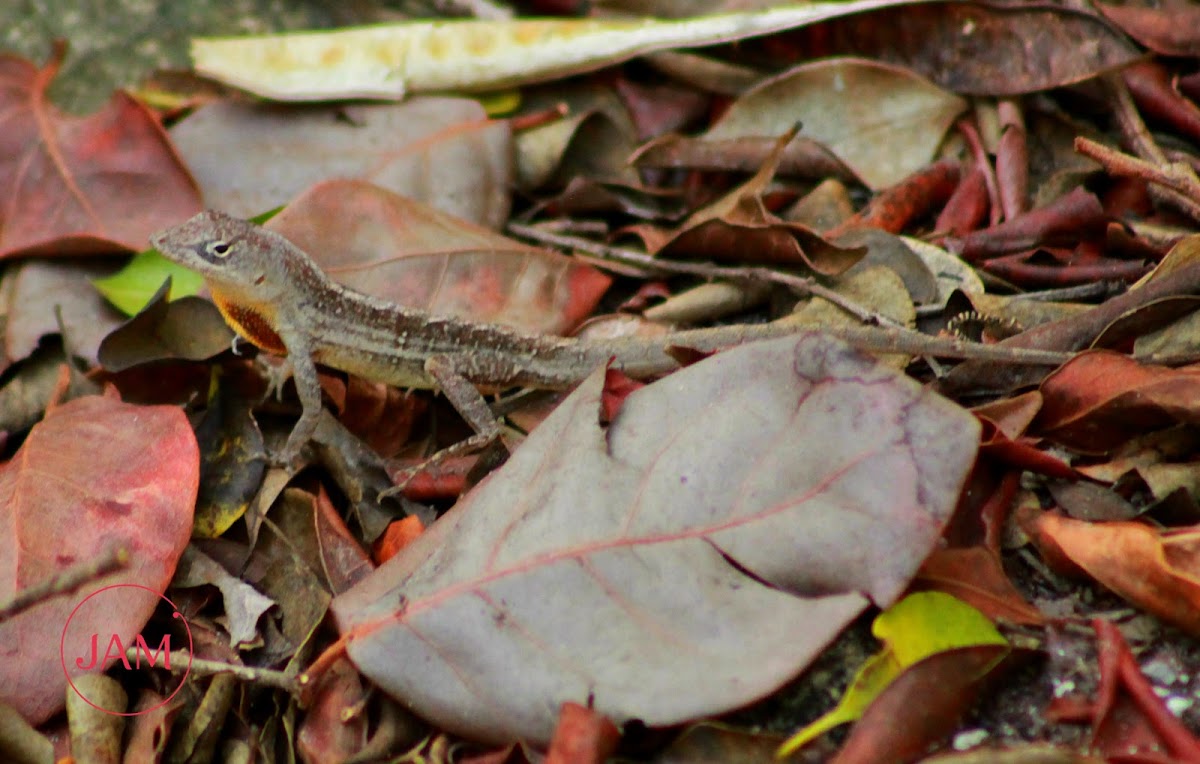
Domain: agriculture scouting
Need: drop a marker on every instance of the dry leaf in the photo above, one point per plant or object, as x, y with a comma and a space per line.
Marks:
690, 558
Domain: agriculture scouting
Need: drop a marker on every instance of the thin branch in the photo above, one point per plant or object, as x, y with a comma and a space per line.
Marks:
1176, 178
1172, 183
631, 257
68, 581
201, 667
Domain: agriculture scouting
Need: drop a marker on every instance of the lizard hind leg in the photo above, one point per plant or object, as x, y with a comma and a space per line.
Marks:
464, 396
470, 404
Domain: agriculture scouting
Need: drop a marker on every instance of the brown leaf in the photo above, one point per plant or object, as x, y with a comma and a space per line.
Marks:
687, 559
1065, 220
1170, 30
883, 121
399, 250
80, 184
709, 742
739, 227
150, 730
592, 141
1100, 399
976, 48
1159, 572
335, 727
189, 328
343, 559
976, 576
897, 207
445, 152
94, 475
292, 559
660, 108
921, 707
43, 293
243, 604
803, 157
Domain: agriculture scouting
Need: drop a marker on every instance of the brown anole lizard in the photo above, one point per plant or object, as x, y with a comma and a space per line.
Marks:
274, 295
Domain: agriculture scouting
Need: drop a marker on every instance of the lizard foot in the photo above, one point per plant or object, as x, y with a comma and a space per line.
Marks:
289, 457
404, 477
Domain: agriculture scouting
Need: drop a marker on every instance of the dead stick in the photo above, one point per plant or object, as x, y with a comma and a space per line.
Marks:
67, 581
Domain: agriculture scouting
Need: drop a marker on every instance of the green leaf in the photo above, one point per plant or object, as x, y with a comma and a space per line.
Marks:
501, 102
130, 288
916, 627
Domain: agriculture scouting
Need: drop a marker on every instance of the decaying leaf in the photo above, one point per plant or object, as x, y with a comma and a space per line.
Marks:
82, 184
443, 151
1159, 572
884, 122
96, 474
400, 250
690, 558
917, 627
387, 61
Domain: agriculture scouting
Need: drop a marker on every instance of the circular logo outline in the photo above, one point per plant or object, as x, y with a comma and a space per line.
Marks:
62, 650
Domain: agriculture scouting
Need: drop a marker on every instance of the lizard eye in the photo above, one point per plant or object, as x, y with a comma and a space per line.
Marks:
218, 248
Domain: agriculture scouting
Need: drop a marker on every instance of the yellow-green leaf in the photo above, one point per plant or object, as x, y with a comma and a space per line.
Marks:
130, 288
388, 61
916, 627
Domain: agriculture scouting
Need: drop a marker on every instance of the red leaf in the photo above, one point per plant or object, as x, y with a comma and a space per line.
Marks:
335, 727
1100, 399
96, 474
107, 180
1159, 572
582, 737
398, 249
920, 708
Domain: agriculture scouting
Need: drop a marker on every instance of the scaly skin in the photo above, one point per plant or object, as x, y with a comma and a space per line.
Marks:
274, 295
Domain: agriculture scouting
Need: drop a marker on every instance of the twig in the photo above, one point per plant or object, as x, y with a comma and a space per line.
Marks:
1129, 121
1175, 177
1173, 183
886, 339
909, 342
201, 667
625, 256
1078, 292
67, 581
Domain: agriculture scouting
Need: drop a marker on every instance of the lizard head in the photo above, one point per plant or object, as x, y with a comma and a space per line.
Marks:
232, 254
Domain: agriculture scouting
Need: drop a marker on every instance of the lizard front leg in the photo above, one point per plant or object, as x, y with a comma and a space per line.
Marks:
308, 388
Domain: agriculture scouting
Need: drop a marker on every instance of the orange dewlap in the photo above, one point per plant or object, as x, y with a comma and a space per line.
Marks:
249, 323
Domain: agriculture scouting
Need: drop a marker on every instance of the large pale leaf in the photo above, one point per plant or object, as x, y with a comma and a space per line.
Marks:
387, 61
249, 158
688, 559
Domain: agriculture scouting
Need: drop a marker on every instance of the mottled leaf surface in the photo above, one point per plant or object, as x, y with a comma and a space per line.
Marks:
398, 249
443, 151
883, 121
689, 558
97, 474
71, 184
